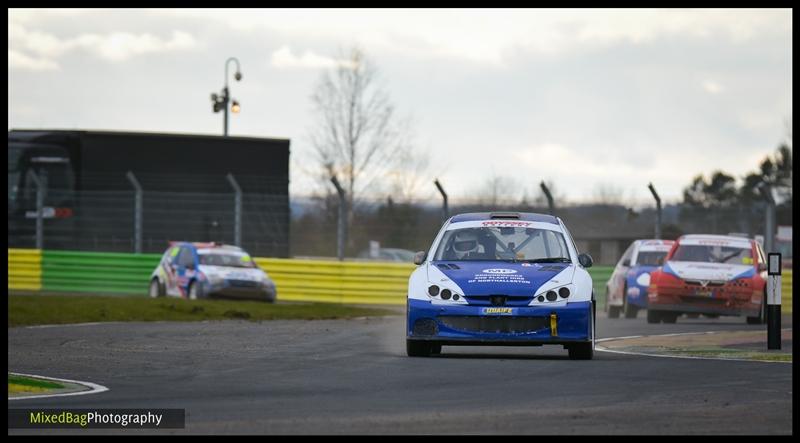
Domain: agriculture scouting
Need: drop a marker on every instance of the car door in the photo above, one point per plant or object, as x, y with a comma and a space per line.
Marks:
617, 281
184, 269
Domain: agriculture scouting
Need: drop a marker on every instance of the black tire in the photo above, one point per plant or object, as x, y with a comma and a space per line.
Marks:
630, 311
670, 317
653, 316
585, 351
156, 289
416, 348
711, 315
436, 349
692, 315
762, 314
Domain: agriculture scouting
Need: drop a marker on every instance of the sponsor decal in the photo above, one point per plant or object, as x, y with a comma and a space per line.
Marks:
499, 271
498, 311
506, 223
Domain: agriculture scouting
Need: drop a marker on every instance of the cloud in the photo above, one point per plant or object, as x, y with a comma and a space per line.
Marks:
285, 58
32, 48
18, 60
712, 87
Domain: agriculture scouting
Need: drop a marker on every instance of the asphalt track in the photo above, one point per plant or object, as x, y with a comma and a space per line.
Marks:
353, 377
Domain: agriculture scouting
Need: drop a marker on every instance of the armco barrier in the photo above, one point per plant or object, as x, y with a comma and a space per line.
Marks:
113, 273
25, 269
297, 280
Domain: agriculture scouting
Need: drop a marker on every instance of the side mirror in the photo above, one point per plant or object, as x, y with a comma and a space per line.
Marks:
626, 262
762, 267
419, 258
585, 260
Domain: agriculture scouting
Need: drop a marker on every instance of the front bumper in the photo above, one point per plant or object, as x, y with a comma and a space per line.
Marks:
719, 301
261, 291
470, 325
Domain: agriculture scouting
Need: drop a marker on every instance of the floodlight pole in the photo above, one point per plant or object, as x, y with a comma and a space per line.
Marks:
445, 210
342, 227
550, 205
658, 210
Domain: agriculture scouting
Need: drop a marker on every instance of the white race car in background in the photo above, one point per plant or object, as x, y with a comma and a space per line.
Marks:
200, 270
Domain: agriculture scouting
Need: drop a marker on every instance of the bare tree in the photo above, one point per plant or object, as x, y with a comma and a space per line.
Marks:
358, 135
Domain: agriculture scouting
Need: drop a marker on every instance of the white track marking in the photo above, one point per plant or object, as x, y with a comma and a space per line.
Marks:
93, 387
603, 349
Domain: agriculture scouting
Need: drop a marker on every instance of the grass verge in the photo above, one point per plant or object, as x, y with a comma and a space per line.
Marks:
18, 384
28, 310
716, 352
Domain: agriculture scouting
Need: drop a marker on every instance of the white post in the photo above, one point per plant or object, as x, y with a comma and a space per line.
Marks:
773, 300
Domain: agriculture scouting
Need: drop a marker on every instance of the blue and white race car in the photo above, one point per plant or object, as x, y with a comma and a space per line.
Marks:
626, 289
501, 279
201, 270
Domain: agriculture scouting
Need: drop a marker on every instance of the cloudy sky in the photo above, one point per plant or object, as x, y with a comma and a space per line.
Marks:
588, 100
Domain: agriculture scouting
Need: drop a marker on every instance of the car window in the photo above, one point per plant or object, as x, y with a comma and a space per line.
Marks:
650, 258
185, 257
229, 260
714, 254
501, 243
627, 255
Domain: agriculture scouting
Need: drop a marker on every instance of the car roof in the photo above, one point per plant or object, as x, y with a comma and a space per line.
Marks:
524, 216
205, 245
729, 238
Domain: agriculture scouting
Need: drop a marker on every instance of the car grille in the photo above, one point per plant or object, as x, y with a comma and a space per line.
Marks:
514, 325
711, 284
499, 300
243, 283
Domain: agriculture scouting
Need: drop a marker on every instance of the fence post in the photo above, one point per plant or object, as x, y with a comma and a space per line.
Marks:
445, 209
39, 210
137, 212
550, 205
341, 237
237, 210
658, 210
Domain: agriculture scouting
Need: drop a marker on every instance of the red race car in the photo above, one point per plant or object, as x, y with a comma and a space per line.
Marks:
711, 275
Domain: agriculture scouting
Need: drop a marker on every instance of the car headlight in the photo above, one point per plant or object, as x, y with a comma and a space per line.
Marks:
559, 293
444, 295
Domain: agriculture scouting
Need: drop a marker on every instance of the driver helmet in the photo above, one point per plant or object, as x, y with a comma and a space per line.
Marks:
465, 242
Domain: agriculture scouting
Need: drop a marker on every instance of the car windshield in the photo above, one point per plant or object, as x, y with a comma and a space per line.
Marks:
714, 254
230, 260
503, 243
650, 258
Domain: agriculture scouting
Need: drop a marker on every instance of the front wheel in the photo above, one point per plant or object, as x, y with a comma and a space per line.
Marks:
584, 351
629, 310
415, 348
195, 291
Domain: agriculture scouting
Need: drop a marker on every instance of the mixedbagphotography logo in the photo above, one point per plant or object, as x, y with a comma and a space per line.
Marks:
97, 418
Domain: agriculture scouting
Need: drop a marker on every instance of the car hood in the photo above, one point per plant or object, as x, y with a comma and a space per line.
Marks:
498, 277
708, 271
232, 273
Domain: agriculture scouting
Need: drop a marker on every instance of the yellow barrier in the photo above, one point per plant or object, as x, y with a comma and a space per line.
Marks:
786, 292
25, 269
339, 282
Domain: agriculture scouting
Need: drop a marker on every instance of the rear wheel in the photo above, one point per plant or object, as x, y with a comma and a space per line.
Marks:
156, 289
653, 316
670, 317
415, 348
762, 314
